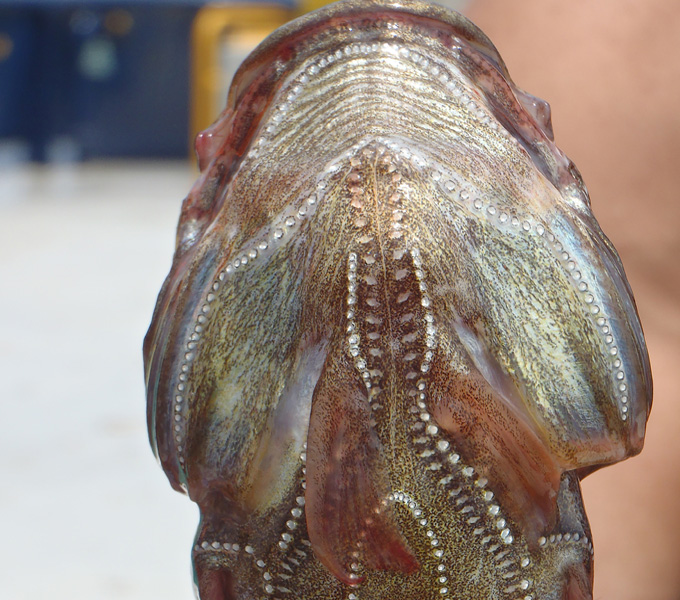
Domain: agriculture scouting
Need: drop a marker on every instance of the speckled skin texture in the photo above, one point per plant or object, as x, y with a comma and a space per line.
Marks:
393, 337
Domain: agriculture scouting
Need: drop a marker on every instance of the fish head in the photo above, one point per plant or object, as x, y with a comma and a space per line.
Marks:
389, 287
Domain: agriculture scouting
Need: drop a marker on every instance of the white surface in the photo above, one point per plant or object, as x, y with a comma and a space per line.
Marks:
85, 511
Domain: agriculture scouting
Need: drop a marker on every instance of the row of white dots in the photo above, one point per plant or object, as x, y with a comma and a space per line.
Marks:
235, 548
287, 538
426, 303
311, 72
557, 538
407, 500
296, 514
460, 499
453, 85
297, 510
527, 226
354, 338
436, 71
443, 447
238, 263
219, 546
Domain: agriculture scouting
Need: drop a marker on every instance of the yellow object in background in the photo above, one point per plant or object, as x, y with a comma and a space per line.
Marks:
222, 36
305, 6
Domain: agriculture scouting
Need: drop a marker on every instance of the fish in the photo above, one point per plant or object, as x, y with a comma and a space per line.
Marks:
393, 338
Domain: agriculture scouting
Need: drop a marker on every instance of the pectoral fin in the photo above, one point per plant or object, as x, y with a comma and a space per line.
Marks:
348, 518
483, 412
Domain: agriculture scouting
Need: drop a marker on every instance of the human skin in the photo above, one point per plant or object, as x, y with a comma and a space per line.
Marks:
611, 72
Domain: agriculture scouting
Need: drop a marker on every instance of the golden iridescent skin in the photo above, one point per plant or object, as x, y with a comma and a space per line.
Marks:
393, 336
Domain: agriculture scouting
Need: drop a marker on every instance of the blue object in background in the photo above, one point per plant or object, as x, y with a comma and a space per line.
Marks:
92, 79
17, 41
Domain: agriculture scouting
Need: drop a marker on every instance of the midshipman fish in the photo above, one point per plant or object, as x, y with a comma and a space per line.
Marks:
393, 338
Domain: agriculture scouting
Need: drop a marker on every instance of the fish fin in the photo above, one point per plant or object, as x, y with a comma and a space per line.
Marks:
539, 110
482, 411
349, 519
213, 577
578, 585
212, 583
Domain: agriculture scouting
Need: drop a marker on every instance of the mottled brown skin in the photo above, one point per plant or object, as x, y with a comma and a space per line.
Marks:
393, 335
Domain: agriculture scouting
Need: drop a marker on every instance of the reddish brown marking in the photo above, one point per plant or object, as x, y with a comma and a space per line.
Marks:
500, 445
215, 584
347, 480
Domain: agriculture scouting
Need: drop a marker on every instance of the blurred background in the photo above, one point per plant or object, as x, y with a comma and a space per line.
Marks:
99, 102
94, 79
